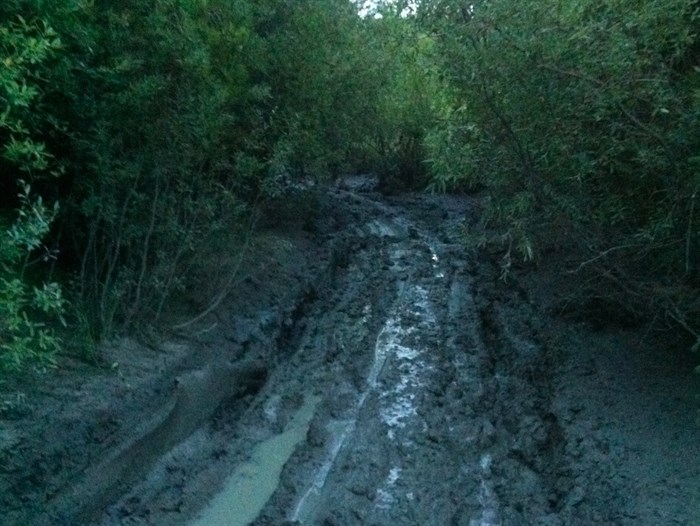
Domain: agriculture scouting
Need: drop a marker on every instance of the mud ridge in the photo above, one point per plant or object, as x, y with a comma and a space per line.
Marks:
194, 399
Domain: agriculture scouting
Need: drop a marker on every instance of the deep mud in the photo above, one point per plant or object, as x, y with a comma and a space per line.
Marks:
399, 380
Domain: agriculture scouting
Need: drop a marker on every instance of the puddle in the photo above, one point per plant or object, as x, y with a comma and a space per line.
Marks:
252, 484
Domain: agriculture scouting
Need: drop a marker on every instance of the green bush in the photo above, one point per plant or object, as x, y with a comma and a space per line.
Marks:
581, 119
30, 307
28, 311
173, 124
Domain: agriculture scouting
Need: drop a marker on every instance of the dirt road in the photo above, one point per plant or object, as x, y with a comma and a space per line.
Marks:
404, 384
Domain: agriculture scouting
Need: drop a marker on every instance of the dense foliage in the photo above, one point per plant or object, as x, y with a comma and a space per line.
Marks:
137, 135
582, 122
160, 128
25, 303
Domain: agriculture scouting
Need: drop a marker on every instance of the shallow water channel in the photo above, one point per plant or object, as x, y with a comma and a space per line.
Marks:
248, 489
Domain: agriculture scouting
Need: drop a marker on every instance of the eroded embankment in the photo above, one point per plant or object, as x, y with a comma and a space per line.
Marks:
74, 440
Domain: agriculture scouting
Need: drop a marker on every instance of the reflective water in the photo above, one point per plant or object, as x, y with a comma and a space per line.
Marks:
250, 487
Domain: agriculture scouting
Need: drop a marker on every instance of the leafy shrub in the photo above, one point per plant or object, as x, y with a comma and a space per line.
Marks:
28, 311
30, 307
581, 118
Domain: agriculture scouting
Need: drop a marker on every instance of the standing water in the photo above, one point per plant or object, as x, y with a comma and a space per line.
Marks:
249, 488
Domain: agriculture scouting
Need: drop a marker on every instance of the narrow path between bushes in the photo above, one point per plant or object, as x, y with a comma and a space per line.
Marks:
407, 385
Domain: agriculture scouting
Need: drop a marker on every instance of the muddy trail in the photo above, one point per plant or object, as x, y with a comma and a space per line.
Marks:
402, 383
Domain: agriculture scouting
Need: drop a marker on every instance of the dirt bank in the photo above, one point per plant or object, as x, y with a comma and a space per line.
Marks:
435, 393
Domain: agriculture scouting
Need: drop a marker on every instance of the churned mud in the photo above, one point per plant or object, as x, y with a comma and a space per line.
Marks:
371, 372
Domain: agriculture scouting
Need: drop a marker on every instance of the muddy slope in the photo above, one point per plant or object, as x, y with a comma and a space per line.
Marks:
442, 396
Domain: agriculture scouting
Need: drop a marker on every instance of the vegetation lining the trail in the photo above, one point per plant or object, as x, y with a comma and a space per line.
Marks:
139, 135
135, 136
582, 122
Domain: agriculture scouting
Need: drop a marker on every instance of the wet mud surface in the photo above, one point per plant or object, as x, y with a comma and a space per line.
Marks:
432, 393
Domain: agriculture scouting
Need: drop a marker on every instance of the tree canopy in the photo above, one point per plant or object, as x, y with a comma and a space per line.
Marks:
135, 134
582, 122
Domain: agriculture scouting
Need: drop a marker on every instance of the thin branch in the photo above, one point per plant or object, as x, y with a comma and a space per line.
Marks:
228, 286
689, 266
676, 316
145, 250
601, 255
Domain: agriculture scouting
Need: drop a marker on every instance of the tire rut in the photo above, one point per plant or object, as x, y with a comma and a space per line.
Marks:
435, 399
